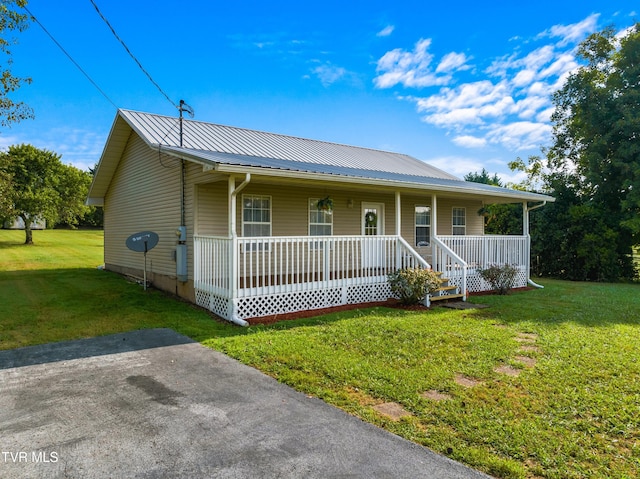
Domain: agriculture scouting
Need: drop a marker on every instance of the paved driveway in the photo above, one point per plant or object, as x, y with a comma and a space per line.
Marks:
154, 404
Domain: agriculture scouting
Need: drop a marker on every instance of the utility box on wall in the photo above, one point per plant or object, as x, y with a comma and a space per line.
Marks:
181, 262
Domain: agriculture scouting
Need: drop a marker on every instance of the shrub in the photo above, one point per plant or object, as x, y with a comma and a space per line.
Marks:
411, 285
500, 277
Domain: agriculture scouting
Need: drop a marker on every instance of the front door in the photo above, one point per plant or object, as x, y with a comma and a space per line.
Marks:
372, 219
372, 225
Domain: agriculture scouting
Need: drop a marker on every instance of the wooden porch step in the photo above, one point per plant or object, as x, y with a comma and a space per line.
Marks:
445, 296
446, 288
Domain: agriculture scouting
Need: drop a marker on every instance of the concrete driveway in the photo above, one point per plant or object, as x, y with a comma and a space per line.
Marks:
154, 404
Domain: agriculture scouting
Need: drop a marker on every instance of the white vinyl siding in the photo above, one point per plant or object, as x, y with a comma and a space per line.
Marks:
459, 221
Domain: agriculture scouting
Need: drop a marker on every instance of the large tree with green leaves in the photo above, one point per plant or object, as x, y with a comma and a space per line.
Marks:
39, 185
12, 20
597, 141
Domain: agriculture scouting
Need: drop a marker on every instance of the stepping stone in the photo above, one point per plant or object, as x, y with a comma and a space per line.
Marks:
529, 348
507, 370
527, 361
467, 382
529, 336
392, 410
435, 395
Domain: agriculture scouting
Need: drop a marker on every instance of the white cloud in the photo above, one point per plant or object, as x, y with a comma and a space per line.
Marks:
413, 69
510, 105
469, 141
386, 31
456, 165
573, 33
521, 135
329, 74
453, 62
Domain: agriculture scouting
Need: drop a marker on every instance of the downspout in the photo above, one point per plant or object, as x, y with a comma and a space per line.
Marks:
233, 193
525, 225
398, 229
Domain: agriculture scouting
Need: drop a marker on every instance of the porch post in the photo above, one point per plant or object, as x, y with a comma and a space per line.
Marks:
434, 216
398, 230
398, 214
233, 256
525, 233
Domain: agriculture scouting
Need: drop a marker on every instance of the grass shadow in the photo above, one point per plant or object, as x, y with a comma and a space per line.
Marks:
91, 347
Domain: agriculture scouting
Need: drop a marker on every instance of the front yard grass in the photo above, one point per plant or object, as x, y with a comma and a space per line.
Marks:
572, 412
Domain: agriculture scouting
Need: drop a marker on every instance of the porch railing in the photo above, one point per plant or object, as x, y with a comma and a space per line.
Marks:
479, 252
450, 264
245, 267
483, 251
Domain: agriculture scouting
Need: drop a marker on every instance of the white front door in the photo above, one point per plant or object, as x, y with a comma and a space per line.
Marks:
372, 225
372, 219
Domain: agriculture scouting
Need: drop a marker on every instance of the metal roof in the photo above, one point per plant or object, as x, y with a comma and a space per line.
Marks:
209, 137
227, 148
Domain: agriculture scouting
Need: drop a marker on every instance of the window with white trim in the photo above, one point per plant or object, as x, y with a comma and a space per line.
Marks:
320, 221
459, 221
423, 225
256, 215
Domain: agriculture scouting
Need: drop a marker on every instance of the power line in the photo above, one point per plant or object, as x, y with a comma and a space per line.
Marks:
70, 57
131, 54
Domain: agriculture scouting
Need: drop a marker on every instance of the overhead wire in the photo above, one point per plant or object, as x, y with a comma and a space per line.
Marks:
70, 57
132, 55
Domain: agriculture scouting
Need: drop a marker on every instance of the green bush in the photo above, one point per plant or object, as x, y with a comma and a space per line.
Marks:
411, 285
500, 277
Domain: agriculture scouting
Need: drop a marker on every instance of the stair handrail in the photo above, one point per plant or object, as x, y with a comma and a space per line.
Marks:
412, 252
438, 244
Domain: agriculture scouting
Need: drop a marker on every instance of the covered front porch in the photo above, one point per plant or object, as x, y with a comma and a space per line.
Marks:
263, 266
243, 278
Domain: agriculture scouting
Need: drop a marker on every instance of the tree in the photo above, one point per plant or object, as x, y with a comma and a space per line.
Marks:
41, 186
499, 219
11, 21
597, 140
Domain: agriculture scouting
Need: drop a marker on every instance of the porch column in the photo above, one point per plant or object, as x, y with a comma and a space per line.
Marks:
525, 233
398, 214
232, 312
434, 216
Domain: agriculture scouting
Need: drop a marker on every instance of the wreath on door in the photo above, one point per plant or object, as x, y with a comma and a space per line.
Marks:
370, 219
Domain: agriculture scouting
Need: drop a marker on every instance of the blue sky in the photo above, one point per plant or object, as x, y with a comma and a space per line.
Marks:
461, 85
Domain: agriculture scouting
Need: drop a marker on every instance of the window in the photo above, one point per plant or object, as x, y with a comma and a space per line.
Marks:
459, 221
423, 225
256, 215
320, 221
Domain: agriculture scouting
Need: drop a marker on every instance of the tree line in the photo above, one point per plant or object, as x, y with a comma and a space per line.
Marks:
592, 169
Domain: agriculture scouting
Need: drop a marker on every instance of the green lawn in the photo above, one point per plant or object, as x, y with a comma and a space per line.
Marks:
575, 413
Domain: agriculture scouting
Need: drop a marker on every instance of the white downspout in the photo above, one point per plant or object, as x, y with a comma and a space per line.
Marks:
398, 229
233, 193
525, 227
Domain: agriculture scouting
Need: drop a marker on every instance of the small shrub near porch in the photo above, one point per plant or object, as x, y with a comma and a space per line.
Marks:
411, 285
501, 277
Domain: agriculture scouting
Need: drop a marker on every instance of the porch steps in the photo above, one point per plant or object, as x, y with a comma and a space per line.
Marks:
445, 291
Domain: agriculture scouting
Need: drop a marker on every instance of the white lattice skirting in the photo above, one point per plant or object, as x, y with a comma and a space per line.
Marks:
291, 302
475, 282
